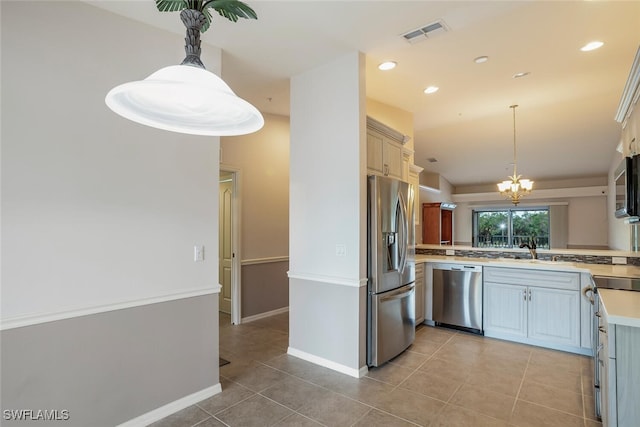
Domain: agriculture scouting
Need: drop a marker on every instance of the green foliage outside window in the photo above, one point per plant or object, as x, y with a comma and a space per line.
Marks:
510, 227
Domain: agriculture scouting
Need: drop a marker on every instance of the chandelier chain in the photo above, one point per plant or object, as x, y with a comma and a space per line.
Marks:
515, 158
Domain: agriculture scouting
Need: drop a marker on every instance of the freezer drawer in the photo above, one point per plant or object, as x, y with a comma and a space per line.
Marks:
392, 324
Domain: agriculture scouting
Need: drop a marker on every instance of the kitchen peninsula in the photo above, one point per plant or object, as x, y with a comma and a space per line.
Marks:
542, 301
550, 303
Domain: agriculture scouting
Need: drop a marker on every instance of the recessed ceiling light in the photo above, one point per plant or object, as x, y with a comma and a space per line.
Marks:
591, 46
521, 74
481, 59
431, 89
388, 65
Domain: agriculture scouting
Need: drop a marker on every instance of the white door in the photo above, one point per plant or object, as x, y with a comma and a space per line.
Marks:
554, 316
225, 242
505, 310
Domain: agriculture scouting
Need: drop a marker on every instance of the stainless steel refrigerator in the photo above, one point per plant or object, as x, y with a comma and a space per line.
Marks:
391, 269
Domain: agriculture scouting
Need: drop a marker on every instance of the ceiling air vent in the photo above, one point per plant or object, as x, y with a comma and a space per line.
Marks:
426, 31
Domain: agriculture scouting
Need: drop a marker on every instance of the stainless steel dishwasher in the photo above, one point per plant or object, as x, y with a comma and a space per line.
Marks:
457, 296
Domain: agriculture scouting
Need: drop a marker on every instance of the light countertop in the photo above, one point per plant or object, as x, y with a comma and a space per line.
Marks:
609, 270
622, 307
596, 252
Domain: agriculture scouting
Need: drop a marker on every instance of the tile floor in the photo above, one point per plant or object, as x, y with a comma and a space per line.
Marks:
446, 378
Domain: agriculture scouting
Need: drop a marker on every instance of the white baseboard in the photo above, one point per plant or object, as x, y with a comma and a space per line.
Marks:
263, 315
172, 408
356, 373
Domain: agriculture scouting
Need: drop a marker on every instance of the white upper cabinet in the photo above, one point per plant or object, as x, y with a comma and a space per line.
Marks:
385, 153
628, 113
384, 156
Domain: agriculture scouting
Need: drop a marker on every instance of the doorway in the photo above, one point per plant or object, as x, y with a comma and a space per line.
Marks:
229, 274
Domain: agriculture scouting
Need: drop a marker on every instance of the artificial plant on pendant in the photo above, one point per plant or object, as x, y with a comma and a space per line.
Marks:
230, 9
196, 16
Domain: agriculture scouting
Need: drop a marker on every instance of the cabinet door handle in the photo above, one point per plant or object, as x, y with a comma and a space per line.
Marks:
602, 329
529, 294
385, 169
525, 294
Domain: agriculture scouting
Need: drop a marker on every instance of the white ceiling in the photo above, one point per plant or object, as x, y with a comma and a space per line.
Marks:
565, 119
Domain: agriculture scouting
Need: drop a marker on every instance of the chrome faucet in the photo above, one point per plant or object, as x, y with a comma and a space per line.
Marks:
532, 248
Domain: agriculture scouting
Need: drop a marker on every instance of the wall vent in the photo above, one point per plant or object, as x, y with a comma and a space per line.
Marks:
426, 31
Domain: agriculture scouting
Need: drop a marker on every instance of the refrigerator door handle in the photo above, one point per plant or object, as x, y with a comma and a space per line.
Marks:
403, 225
399, 294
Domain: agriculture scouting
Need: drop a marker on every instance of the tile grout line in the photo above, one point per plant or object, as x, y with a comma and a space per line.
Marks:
524, 374
553, 409
421, 364
371, 407
435, 354
361, 417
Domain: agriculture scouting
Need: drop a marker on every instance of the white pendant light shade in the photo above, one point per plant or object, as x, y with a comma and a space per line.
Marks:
185, 99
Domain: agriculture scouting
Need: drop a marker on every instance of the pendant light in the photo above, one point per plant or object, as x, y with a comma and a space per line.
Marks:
186, 98
515, 187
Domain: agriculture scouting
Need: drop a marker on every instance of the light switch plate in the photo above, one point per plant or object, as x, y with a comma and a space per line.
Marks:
341, 250
618, 260
198, 253
450, 252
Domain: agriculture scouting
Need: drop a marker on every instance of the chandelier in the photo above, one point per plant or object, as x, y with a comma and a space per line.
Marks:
515, 187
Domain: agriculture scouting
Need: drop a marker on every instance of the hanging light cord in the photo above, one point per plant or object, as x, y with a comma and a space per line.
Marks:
513, 107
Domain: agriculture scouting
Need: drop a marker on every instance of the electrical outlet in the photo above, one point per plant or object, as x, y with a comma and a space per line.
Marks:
618, 260
450, 252
198, 253
341, 250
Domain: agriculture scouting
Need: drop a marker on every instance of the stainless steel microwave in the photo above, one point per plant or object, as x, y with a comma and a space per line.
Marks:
626, 187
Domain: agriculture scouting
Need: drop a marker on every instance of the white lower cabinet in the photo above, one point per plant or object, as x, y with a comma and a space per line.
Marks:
505, 310
420, 294
619, 372
533, 306
554, 316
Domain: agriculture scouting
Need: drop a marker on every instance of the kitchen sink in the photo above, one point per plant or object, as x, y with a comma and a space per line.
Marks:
532, 261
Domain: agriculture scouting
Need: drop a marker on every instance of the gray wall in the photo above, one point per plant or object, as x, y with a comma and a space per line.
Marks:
100, 215
108, 368
265, 287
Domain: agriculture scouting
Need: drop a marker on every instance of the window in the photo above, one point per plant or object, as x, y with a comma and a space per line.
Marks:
507, 228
